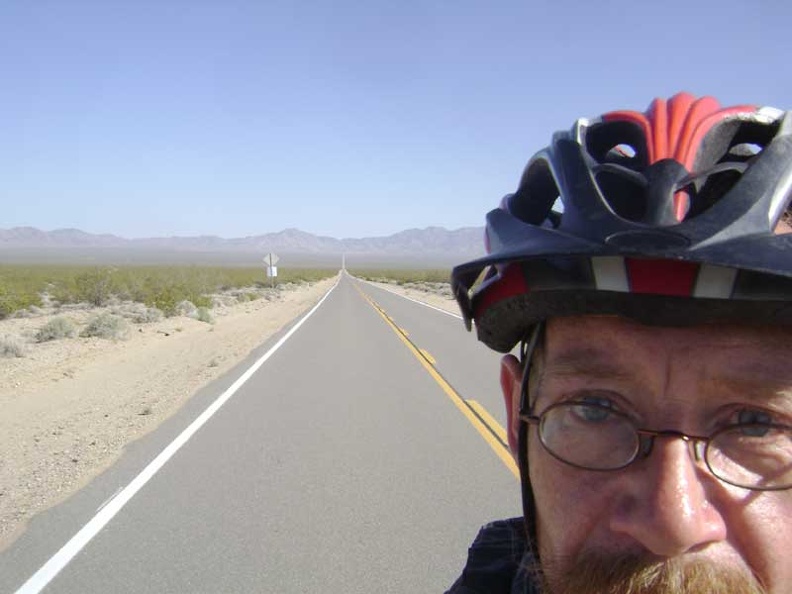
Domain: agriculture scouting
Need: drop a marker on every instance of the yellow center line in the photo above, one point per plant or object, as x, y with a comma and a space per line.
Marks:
488, 420
482, 421
427, 356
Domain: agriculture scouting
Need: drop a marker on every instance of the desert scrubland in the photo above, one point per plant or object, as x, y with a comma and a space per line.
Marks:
80, 380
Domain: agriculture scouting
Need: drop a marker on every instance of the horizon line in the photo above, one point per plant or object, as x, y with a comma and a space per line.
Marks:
287, 229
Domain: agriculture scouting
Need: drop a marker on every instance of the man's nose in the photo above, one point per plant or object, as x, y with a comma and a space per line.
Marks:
665, 505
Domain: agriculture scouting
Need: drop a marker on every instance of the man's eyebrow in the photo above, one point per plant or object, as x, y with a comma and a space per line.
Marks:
767, 373
588, 362
754, 386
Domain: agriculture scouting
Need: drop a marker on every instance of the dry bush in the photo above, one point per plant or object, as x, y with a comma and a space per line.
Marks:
106, 325
185, 308
150, 315
11, 346
139, 313
56, 329
202, 314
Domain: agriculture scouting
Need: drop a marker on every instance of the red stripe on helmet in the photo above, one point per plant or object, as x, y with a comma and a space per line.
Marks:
674, 129
661, 277
511, 282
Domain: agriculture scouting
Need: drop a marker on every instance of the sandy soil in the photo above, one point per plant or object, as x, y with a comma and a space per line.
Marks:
70, 406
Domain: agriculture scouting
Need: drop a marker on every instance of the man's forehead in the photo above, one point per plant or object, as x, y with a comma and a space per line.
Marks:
609, 343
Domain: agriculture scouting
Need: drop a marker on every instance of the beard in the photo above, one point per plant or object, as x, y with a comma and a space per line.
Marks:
600, 574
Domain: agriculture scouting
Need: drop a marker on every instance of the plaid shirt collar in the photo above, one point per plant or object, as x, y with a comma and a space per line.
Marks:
499, 562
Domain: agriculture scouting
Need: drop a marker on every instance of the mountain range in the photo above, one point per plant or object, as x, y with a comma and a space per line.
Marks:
432, 245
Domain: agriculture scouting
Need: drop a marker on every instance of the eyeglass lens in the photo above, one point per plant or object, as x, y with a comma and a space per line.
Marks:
595, 437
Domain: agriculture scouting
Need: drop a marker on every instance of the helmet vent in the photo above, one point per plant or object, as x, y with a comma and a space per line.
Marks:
538, 200
733, 140
620, 143
725, 152
619, 149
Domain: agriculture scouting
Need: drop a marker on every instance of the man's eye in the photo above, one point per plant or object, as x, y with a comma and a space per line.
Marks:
749, 416
593, 410
755, 422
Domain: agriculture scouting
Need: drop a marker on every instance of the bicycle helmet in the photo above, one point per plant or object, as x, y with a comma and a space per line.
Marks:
666, 217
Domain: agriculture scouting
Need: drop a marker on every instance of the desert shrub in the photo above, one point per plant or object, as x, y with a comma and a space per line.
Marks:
106, 325
130, 285
94, 286
201, 300
138, 313
56, 329
127, 310
202, 314
223, 301
149, 315
165, 298
185, 308
13, 299
64, 292
170, 299
10, 346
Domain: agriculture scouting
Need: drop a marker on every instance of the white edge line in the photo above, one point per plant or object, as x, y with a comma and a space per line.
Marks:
39, 580
109, 499
440, 309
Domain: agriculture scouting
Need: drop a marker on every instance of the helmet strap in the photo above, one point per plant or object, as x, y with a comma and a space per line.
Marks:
527, 350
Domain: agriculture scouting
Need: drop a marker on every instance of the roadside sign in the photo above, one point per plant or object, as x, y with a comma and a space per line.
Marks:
272, 271
270, 260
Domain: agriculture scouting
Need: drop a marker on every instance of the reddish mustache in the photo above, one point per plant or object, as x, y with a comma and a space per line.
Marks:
608, 574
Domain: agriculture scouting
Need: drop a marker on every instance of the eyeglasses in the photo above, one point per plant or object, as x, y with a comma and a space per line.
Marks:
756, 456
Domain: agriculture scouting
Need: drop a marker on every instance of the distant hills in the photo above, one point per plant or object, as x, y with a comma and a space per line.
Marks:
413, 247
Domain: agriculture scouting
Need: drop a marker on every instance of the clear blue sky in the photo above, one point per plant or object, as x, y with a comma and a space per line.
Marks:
342, 118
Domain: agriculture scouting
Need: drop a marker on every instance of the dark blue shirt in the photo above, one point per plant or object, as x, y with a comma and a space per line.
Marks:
499, 562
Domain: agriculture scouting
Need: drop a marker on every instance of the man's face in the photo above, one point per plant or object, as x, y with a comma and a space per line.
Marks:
668, 506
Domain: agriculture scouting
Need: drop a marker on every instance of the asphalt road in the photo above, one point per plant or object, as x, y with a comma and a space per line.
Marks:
351, 460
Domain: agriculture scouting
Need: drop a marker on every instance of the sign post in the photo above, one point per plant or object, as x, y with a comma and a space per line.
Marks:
270, 260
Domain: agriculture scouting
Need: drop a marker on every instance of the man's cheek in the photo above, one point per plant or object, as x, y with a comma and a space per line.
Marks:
761, 531
571, 505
